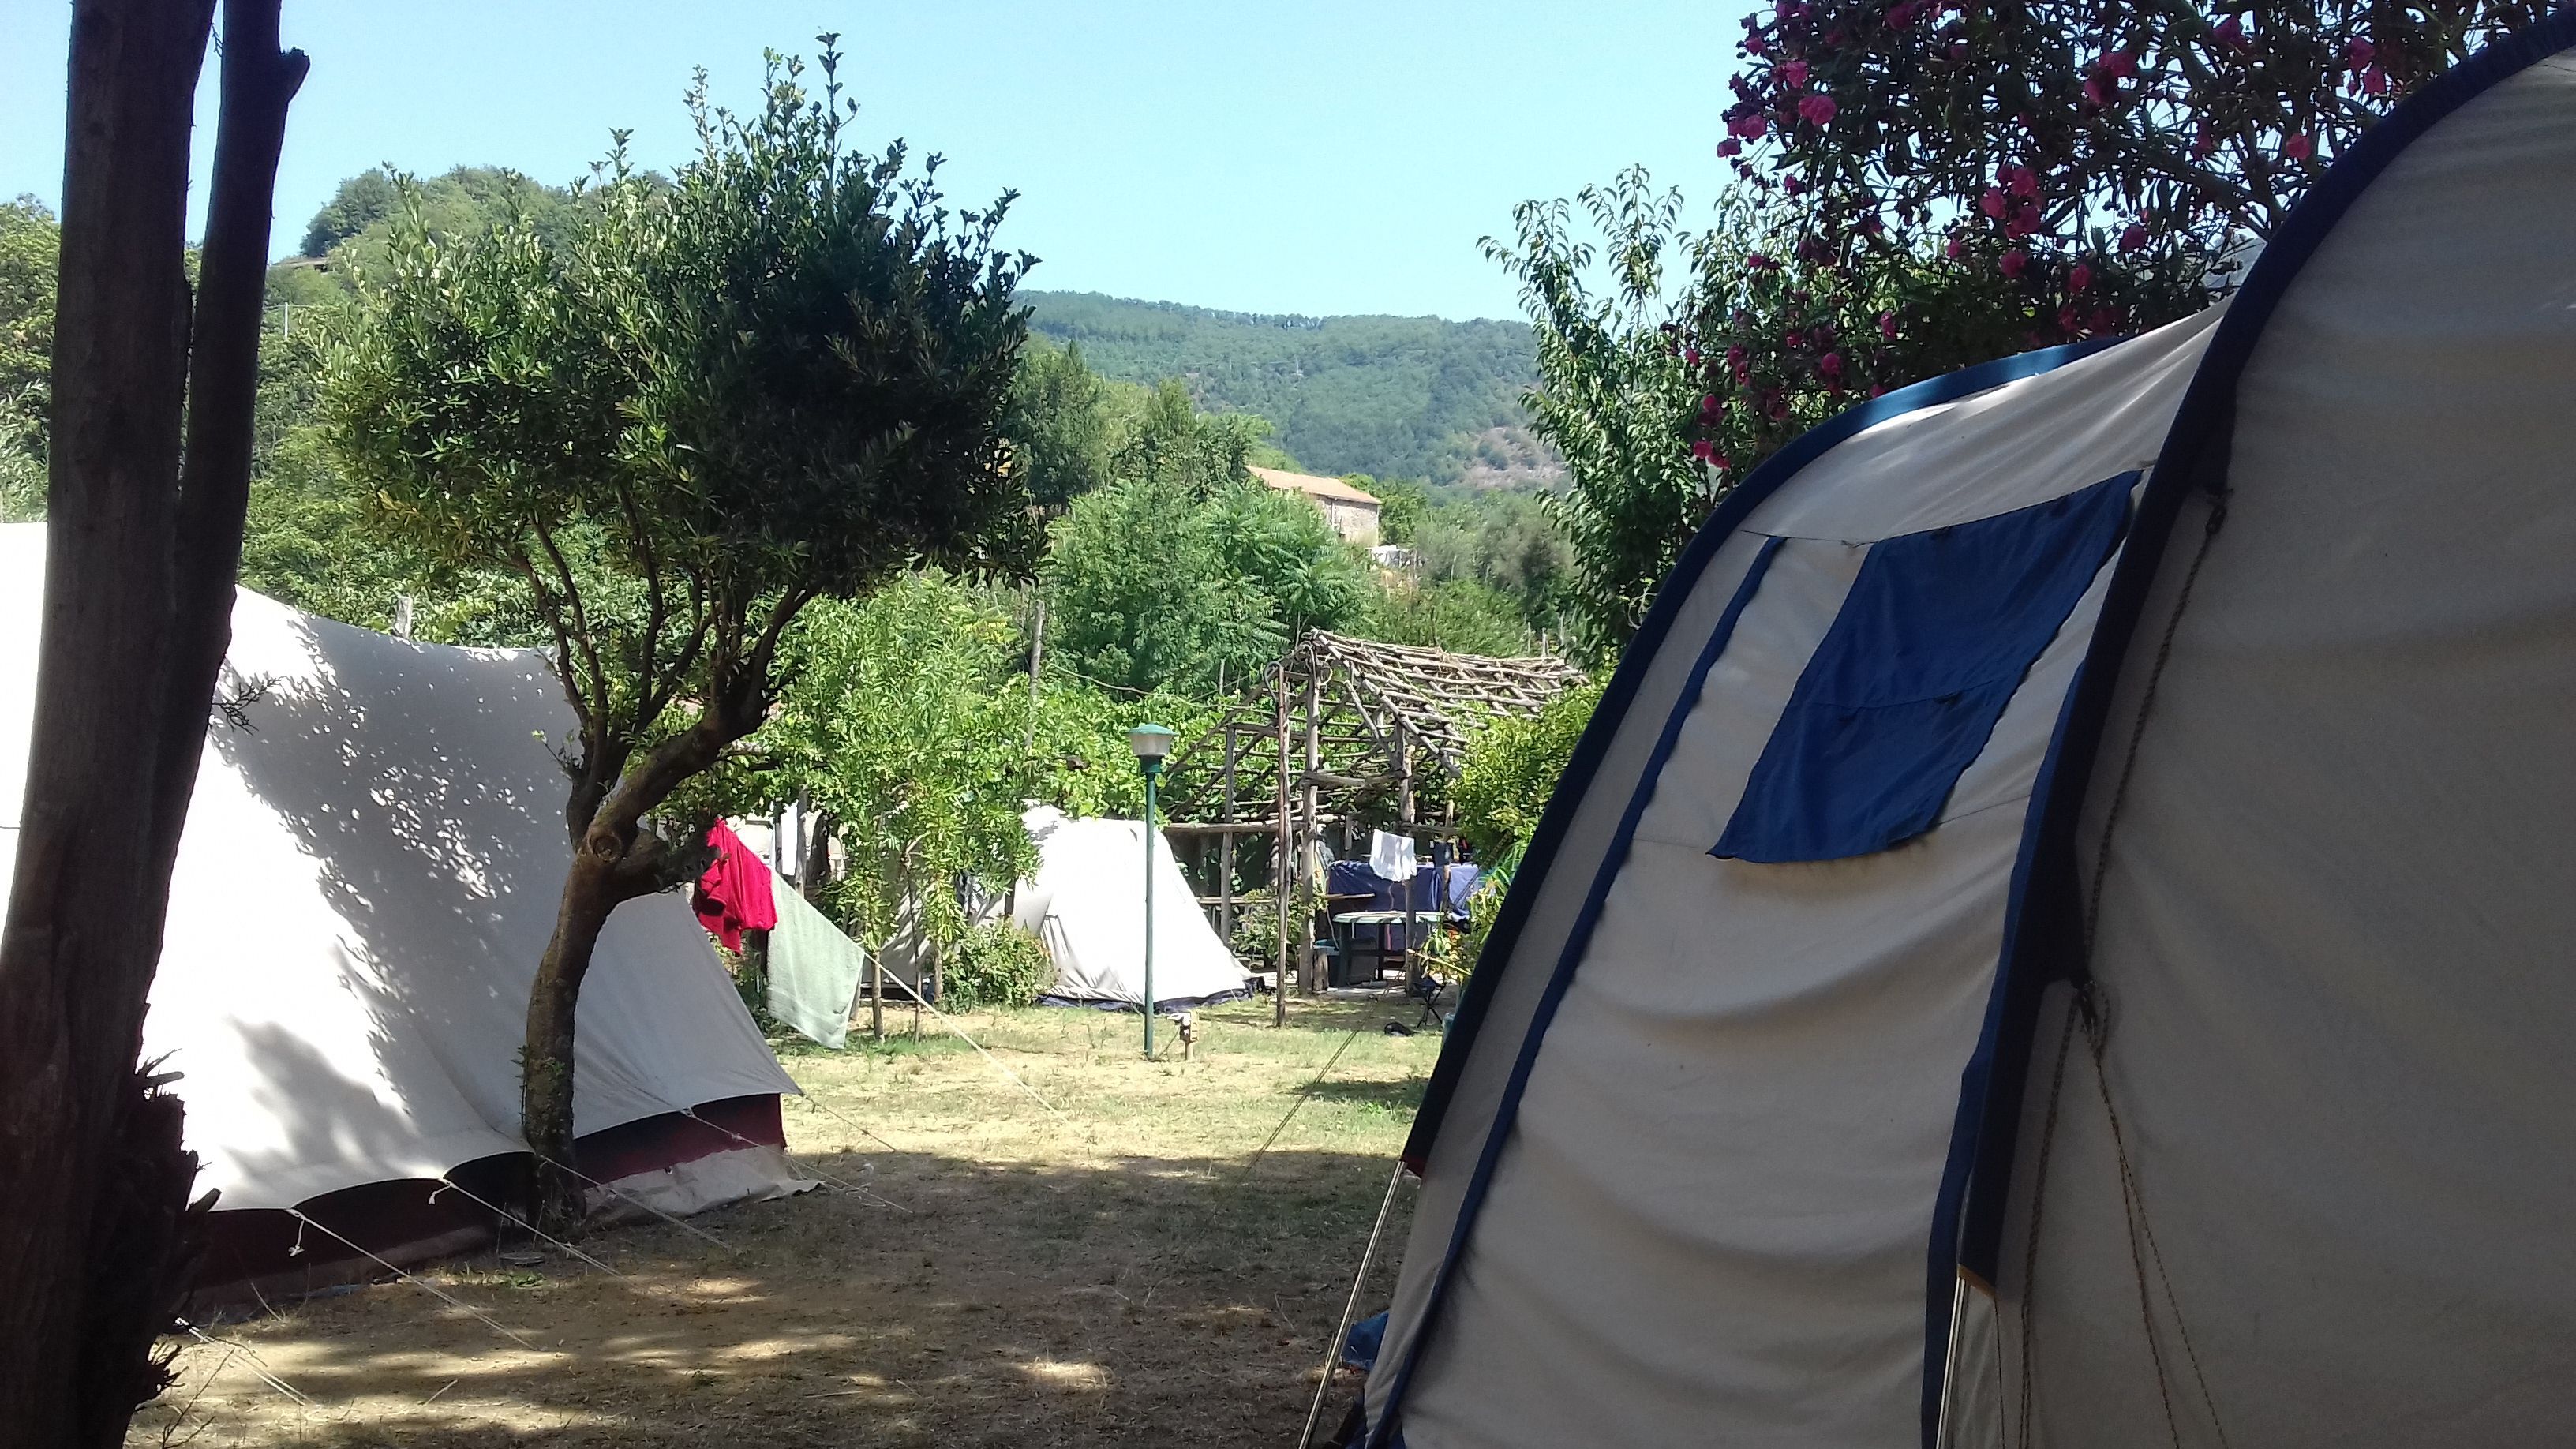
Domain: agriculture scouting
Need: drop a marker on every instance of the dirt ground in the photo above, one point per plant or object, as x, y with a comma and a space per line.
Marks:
1117, 1270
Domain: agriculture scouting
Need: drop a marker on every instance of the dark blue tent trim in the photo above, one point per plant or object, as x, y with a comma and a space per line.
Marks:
1585, 764
1607, 717
2043, 923
1933, 640
1581, 936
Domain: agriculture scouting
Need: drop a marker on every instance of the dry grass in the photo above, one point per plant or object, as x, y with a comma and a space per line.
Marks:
1006, 1276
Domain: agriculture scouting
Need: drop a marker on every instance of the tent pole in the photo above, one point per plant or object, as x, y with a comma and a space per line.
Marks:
1350, 1309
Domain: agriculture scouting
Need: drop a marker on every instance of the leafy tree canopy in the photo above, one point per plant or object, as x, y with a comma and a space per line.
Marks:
1511, 768
1190, 582
29, 242
697, 409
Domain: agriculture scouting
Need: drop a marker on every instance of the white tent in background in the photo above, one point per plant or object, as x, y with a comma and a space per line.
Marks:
2060, 930
368, 876
1087, 903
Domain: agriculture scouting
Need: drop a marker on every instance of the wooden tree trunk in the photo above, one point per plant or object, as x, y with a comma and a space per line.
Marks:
546, 1075
143, 539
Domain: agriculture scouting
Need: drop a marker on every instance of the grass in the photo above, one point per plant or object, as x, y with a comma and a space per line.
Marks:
1119, 1269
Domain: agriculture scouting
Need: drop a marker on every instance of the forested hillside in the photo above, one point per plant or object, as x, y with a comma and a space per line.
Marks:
1395, 397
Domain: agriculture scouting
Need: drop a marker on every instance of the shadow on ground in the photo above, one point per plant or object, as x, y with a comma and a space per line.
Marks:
947, 1302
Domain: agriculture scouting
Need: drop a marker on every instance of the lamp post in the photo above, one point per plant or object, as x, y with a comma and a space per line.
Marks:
1151, 742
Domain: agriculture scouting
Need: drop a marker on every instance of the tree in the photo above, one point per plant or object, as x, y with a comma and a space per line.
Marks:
148, 457
1460, 615
1615, 395
1059, 427
360, 202
2101, 168
1169, 582
908, 728
1511, 767
778, 379
29, 245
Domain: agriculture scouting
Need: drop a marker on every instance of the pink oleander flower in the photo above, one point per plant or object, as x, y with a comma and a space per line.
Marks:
2230, 32
2299, 147
1994, 203
1955, 250
1703, 450
1830, 367
1793, 338
1887, 325
2014, 262
1816, 109
2119, 65
2358, 53
2096, 94
1793, 74
1735, 357
2374, 82
2023, 180
2135, 238
1730, 147
2079, 278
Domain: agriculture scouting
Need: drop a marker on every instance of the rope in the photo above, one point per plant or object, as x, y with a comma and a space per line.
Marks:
2090, 1010
258, 1365
686, 1227
849, 1187
445, 1183
1255, 1161
430, 1288
944, 1020
817, 1104
2038, 1205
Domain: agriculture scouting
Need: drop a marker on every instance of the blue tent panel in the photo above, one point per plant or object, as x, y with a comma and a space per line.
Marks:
1932, 642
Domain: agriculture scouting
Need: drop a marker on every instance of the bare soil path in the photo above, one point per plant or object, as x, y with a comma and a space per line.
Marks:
1124, 1274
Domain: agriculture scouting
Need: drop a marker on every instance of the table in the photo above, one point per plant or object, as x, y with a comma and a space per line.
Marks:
1376, 952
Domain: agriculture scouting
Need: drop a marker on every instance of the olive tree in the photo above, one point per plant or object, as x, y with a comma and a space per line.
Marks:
678, 419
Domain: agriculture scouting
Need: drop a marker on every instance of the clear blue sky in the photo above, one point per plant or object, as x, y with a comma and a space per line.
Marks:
1315, 156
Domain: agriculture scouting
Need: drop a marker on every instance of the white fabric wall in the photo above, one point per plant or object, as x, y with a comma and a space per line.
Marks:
2339, 909
1087, 903
368, 876
1711, 1220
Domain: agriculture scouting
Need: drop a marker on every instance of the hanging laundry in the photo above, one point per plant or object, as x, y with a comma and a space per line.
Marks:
814, 970
1391, 856
734, 895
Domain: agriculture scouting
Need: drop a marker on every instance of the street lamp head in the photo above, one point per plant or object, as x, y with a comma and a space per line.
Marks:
1151, 742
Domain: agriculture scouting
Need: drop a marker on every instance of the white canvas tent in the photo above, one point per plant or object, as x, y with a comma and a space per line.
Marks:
2059, 932
368, 876
1087, 903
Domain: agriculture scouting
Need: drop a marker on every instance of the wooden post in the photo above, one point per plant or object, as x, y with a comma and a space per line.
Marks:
1037, 656
876, 994
1225, 847
1311, 831
1280, 848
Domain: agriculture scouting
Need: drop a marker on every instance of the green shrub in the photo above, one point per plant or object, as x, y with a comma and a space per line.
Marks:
998, 964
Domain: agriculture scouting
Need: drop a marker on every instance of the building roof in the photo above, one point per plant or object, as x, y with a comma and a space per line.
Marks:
1313, 487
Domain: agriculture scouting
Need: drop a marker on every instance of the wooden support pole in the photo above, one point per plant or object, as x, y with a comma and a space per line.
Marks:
1225, 847
1305, 837
1279, 875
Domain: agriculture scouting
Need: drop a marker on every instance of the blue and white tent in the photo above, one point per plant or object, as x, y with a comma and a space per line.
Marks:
2063, 930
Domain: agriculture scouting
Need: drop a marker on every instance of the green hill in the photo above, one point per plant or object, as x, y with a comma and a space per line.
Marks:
1397, 397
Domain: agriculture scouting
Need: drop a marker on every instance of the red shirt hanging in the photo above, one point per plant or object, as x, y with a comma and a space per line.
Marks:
733, 896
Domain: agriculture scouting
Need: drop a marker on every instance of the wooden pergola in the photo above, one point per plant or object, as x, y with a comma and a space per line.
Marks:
1339, 732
